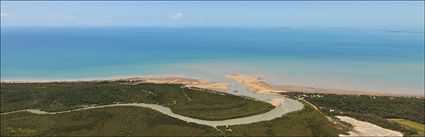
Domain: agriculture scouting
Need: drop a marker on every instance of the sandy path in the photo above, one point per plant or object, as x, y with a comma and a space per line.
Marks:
362, 128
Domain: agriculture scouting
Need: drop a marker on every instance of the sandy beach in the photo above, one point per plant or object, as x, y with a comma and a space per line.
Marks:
187, 82
254, 84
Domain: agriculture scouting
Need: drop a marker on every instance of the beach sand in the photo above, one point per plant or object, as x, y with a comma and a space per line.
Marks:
187, 82
254, 84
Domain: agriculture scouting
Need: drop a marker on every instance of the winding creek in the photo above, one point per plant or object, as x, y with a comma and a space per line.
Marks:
289, 105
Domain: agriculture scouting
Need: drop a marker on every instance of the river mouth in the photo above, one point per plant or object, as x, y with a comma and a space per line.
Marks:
286, 106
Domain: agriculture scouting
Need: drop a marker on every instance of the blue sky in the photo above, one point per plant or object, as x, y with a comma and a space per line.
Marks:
213, 13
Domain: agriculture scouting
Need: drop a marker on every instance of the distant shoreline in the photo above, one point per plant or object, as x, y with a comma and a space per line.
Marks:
306, 89
285, 88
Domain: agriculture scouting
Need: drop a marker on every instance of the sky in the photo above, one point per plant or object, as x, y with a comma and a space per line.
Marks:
213, 13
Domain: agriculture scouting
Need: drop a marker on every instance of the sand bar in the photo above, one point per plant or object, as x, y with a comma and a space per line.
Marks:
254, 84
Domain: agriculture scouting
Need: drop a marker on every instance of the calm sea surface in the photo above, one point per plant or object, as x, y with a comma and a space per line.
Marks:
376, 60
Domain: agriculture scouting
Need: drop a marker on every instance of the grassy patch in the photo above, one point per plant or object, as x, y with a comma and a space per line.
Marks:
410, 124
202, 104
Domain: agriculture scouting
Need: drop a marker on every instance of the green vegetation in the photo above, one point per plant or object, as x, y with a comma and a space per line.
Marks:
373, 109
410, 124
136, 121
113, 121
306, 122
202, 104
382, 122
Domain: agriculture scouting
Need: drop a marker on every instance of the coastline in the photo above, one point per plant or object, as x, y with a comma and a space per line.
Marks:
282, 104
306, 89
204, 84
253, 86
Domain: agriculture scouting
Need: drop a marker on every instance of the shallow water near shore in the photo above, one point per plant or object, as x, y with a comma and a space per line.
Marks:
360, 59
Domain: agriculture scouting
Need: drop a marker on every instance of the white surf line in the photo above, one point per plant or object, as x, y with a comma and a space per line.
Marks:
274, 113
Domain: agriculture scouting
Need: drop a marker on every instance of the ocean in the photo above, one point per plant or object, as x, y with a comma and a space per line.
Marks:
385, 60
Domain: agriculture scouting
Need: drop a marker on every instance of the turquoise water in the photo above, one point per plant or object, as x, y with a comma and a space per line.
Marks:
364, 59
